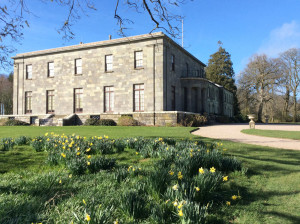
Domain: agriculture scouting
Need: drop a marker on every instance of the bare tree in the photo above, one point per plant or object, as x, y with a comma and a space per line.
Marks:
260, 78
13, 20
291, 65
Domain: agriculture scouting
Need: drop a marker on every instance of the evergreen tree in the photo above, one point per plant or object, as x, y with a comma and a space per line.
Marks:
220, 71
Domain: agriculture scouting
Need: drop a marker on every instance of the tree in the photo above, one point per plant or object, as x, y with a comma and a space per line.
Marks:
291, 67
14, 13
260, 78
220, 71
6, 92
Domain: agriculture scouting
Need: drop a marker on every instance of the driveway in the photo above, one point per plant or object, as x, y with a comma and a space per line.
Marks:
232, 132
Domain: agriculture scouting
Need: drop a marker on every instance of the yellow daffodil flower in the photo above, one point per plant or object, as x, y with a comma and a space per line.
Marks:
225, 178
201, 170
212, 170
180, 213
175, 187
87, 217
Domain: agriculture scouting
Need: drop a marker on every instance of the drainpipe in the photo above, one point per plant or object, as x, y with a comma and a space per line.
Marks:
23, 106
154, 120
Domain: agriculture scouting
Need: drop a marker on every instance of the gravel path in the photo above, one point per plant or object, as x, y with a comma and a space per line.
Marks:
233, 133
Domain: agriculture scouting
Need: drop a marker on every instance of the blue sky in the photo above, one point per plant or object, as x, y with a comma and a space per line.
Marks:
245, 27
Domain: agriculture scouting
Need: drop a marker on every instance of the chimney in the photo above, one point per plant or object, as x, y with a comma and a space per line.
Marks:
81, 43
109, 37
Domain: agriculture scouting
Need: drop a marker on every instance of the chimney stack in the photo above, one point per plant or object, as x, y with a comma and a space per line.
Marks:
81, 43
109, 37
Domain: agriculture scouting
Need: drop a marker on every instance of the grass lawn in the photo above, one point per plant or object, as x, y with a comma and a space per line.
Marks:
273, 133
89, 131
270, 190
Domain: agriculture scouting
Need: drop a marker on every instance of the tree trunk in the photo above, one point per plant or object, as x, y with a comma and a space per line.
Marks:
286, 104
295, 107
260, 110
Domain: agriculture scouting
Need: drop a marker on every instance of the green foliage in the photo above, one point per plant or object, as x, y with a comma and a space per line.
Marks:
101, 163
91, 122
220, 71
22, 140
77, 165
127, 121
38, 143
13, 122
134, 202
107, 122
7, 144
194, 120
101, 122
129, 193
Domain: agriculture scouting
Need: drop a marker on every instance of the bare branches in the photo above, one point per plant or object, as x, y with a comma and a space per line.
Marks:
13, 19
74, 8
159, 12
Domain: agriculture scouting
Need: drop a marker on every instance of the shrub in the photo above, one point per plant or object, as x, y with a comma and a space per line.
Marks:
15, 123
194, 120
91, 122
102, 122
2, 121
106, 122
97, 164
127, 121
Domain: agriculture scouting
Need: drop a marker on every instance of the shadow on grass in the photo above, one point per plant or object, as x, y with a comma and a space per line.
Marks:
291, 218
27, 200
21, 158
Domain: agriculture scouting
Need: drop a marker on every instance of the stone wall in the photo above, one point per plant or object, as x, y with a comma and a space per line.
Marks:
93, 78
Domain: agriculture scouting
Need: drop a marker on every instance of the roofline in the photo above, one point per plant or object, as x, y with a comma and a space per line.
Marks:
122, 40
184, 50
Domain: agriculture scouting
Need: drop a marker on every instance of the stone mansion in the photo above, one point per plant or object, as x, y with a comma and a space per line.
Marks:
149, 77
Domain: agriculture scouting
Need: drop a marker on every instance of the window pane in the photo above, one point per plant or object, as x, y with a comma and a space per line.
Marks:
78, 62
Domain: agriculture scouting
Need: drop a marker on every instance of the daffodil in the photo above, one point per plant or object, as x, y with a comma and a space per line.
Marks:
116, 222
234, 197
89, 156
228, 203
63, 155
88, 163
175, 203
83, 201
175, 187
87, 217
89, 149
212, 170
201, 170
171, 172
59, 181
78, 153
180, 213
180, 176
225, 178
197, 188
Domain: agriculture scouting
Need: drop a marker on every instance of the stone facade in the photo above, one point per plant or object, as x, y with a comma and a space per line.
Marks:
173, 80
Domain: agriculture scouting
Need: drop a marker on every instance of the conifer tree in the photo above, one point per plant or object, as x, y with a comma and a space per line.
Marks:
220, 71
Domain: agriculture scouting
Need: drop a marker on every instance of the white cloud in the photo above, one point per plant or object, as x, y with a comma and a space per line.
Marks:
281, 39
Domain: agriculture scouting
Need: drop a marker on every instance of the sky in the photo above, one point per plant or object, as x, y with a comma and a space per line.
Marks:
245, 27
